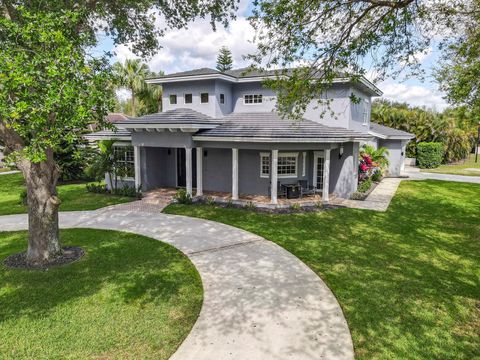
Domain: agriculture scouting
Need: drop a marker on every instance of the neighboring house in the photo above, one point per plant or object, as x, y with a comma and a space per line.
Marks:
220, 132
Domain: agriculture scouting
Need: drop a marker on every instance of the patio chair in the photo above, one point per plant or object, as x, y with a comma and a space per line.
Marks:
281, 190
306, 189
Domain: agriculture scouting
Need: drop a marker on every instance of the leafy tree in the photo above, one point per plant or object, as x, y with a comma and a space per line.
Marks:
334, 38
224, 59
51, 89
459, 72
132, 75
455, 128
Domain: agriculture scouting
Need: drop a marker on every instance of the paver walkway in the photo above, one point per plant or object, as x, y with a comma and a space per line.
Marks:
260, 301
379, 199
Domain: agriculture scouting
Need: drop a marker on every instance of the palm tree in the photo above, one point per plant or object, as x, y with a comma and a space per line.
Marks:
151, 95
132, 75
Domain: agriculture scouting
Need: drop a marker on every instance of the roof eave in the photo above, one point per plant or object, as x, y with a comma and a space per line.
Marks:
391, 137
278, 139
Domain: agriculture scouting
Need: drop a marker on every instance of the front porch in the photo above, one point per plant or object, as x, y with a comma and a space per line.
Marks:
250, 176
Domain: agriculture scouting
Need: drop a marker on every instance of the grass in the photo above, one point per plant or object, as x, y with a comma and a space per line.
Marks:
408, 280
74, 196
3, 169
130, 297
459, 168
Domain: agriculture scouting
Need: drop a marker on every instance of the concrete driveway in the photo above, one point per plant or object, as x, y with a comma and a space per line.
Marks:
260, 301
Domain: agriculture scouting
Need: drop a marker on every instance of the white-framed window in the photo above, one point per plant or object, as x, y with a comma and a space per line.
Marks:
222, 98
366, 106
252, 99
264, 165
204, 98
173, 99
287, 165
188, 98
124, 160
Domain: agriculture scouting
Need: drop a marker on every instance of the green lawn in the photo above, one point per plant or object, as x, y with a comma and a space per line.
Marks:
73, 196
130, 297
459, 168
408, 279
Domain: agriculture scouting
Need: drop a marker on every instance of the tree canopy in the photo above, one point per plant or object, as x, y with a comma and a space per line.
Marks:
328, 39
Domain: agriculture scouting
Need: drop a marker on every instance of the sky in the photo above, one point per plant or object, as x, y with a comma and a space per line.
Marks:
197, 46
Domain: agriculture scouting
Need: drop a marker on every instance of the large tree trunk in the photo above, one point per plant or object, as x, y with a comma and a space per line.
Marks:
43, 235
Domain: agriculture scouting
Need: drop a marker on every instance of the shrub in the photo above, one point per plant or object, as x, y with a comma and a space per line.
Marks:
129, 191
97, 188
209, 200
250, 205
23, 197
364, 186
357, 196
429, 154
295, 207
182, 197
377, 175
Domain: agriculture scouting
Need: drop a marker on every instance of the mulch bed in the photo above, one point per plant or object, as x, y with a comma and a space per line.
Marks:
69, 254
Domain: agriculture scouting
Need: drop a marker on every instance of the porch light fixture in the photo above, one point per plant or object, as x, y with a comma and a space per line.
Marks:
340, 152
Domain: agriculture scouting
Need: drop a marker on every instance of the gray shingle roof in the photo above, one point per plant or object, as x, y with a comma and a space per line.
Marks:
177, 116
271, 125
388, 131
109, 134
201, 71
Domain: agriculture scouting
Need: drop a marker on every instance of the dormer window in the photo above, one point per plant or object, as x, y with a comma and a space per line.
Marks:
188, 98
173, 99
253, 99
222, 98
204, 98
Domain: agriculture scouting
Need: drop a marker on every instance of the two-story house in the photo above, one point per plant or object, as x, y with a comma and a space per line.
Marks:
220, 132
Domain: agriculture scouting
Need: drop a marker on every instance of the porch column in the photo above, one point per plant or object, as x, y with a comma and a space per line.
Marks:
274, 177
136, 160
234, 174
326, 176
188, 167
199, 171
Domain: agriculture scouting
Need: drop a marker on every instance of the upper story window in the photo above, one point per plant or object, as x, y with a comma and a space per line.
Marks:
366, 105
173, 99
222, 98
253, 99
188, 98
204, 98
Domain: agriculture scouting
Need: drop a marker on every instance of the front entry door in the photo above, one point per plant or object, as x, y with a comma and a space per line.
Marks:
182, 168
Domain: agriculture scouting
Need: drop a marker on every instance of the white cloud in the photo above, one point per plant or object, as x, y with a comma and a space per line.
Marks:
197, 46
413, 94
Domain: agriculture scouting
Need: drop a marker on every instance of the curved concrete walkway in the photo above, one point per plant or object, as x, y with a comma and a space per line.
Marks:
260, 301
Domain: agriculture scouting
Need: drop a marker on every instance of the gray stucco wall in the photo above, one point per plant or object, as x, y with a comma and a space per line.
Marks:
343, 175
396, 157
163, 139
217, 170
358, 110
158, 168
192, 87
268, 98
336, 112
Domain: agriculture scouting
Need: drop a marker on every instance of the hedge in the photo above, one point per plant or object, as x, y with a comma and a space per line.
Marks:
429, 154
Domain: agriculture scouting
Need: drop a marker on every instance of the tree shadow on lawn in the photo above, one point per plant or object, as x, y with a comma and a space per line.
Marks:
134, 270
